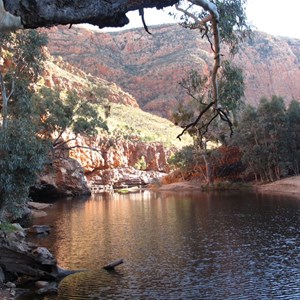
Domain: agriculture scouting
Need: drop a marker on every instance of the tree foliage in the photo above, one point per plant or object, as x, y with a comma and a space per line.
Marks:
22, 150
268, 138
33, 119
211, 125
61, 112
232, 23
231, 93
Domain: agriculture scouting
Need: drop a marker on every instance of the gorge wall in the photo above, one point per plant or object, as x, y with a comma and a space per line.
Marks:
150, 66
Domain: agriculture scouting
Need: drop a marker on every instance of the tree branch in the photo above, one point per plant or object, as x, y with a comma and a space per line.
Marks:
197, 120
83, 147
102, 13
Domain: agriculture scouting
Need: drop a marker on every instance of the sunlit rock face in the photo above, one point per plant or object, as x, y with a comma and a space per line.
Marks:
101, 153
150, 66
102, 162
61, 75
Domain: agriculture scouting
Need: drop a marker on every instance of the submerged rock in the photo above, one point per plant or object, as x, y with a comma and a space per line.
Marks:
49, 288
39, 229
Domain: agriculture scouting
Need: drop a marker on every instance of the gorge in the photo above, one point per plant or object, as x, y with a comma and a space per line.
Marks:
130, 147
150, 67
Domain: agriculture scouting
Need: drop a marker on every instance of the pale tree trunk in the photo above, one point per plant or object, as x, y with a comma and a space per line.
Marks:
5, 99
209, 169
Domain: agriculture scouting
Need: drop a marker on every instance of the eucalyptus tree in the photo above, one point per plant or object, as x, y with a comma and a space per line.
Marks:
264, 137
62, 112
22, 150
209, 125
293, 114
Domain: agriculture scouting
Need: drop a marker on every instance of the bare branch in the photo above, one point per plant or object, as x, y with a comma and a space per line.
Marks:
186, 12
207, 124
141, 13
5, 99
57, 144
197, 120
224, 117
208, 6
102, 13
83, 147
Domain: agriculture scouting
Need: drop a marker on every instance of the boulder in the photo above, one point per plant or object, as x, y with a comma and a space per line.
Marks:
65, 177
39, 229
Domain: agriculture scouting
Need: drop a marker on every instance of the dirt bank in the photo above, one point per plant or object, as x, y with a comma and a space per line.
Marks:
181, 186
289, 185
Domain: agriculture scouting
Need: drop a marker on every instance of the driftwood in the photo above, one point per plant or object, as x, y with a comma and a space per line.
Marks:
111, 266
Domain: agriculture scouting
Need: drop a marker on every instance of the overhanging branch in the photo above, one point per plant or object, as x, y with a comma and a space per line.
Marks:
102, 13
213, 18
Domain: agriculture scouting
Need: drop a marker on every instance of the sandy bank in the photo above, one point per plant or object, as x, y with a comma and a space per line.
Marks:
289, 186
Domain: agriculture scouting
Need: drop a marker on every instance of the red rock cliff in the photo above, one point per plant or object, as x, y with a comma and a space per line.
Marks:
150, 67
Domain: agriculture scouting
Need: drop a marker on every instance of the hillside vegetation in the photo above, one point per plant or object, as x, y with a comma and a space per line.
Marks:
133, 121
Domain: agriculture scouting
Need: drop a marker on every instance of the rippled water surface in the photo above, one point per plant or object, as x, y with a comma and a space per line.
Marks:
178, 246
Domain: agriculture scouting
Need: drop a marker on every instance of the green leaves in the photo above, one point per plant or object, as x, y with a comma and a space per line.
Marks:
267, 136
60, 113
213, 121
233, 24
22, 150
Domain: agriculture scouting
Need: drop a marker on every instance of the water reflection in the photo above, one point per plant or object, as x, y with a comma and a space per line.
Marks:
178, 246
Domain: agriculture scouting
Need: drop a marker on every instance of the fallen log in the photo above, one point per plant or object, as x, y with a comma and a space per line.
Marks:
112, 265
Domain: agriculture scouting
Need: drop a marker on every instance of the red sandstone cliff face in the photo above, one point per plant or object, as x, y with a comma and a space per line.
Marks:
150, 67
65, 77
101, 153
116, 163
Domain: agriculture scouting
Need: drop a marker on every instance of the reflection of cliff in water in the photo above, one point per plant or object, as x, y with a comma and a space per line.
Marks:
177, 245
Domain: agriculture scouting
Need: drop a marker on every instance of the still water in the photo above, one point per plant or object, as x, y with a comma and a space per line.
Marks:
177, 246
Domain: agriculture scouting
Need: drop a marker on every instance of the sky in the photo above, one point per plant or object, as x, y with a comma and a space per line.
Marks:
276, 17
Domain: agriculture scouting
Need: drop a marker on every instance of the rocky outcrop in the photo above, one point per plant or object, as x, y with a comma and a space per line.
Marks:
150, 67
23, 263
104, 180
100, 153
111, 163
64, 177
102, 162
